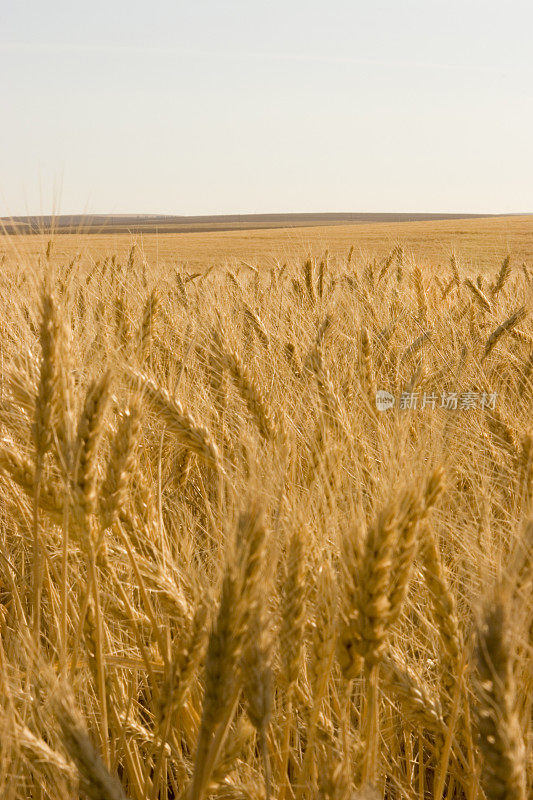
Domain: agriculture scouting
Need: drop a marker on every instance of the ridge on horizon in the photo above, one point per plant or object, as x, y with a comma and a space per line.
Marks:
151, 223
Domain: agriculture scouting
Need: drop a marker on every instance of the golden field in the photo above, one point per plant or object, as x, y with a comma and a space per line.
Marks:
478, 242
224, 573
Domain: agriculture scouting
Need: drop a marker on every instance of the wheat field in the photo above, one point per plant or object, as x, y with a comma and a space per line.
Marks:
477, 242
224, 572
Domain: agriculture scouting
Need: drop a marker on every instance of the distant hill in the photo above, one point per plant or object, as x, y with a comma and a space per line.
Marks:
153, 223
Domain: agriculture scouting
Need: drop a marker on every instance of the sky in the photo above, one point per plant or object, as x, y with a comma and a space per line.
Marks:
256, 106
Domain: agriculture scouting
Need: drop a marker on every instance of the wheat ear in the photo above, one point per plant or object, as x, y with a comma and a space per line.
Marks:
42, 436
95, 780
191, 434
502, 329
503, 774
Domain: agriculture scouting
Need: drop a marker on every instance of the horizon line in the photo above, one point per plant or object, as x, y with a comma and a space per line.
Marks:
254, 215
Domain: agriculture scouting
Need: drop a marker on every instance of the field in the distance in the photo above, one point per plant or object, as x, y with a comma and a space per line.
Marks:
477, 242
160, 223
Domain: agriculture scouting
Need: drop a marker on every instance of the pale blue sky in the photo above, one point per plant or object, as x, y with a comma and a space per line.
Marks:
250, 106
